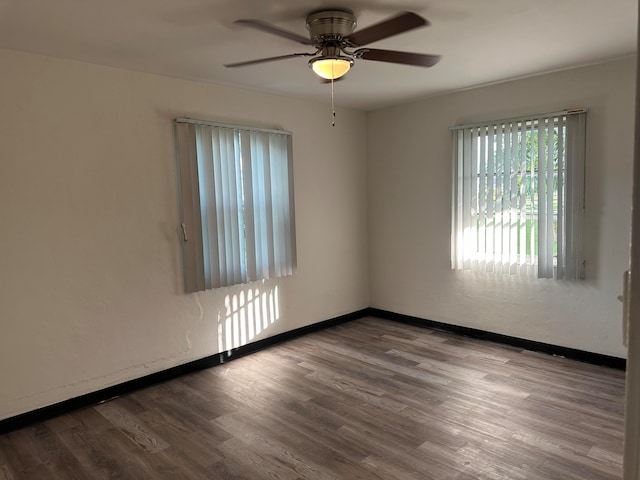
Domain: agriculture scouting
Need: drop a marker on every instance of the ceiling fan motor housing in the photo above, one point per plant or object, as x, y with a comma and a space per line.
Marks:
330, 25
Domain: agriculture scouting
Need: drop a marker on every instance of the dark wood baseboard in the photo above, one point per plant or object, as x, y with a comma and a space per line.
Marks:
581, 355
50, 411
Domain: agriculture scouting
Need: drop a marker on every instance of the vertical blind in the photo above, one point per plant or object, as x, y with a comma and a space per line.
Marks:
237, 204
518, 196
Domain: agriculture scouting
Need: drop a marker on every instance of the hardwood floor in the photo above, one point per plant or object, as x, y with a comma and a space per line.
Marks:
370, 399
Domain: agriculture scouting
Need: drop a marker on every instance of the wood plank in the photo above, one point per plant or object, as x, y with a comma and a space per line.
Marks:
131, 427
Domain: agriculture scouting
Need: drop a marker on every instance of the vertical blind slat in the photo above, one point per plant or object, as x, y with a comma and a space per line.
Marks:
453, 249
190, 204
549, 201
498, 234
208, 219
459, 182
575, 142
542, 196
513, 178
249, 213
474, 197
506, 180
290, 217
491, 175
522, 200
533, 199
482, 198
466, 200
561, 198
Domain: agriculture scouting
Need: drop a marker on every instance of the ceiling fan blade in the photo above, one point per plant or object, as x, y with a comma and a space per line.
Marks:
266, 27
268, 59
401, 23
392, 56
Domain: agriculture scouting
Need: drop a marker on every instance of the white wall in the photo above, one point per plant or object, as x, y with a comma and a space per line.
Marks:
410, 209
90, 273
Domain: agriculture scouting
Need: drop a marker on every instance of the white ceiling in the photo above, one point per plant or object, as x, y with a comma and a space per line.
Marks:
481, 41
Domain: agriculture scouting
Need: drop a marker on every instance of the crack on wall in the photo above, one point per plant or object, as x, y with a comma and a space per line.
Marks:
187, 336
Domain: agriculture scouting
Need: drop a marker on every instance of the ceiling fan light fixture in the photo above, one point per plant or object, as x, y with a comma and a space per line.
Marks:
331, 68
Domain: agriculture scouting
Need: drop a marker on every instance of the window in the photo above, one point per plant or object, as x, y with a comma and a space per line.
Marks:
237, 208
518, 196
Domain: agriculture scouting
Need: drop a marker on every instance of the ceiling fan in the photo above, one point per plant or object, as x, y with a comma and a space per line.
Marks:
337, 45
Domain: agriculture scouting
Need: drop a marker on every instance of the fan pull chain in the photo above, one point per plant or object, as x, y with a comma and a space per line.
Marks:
333, 107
